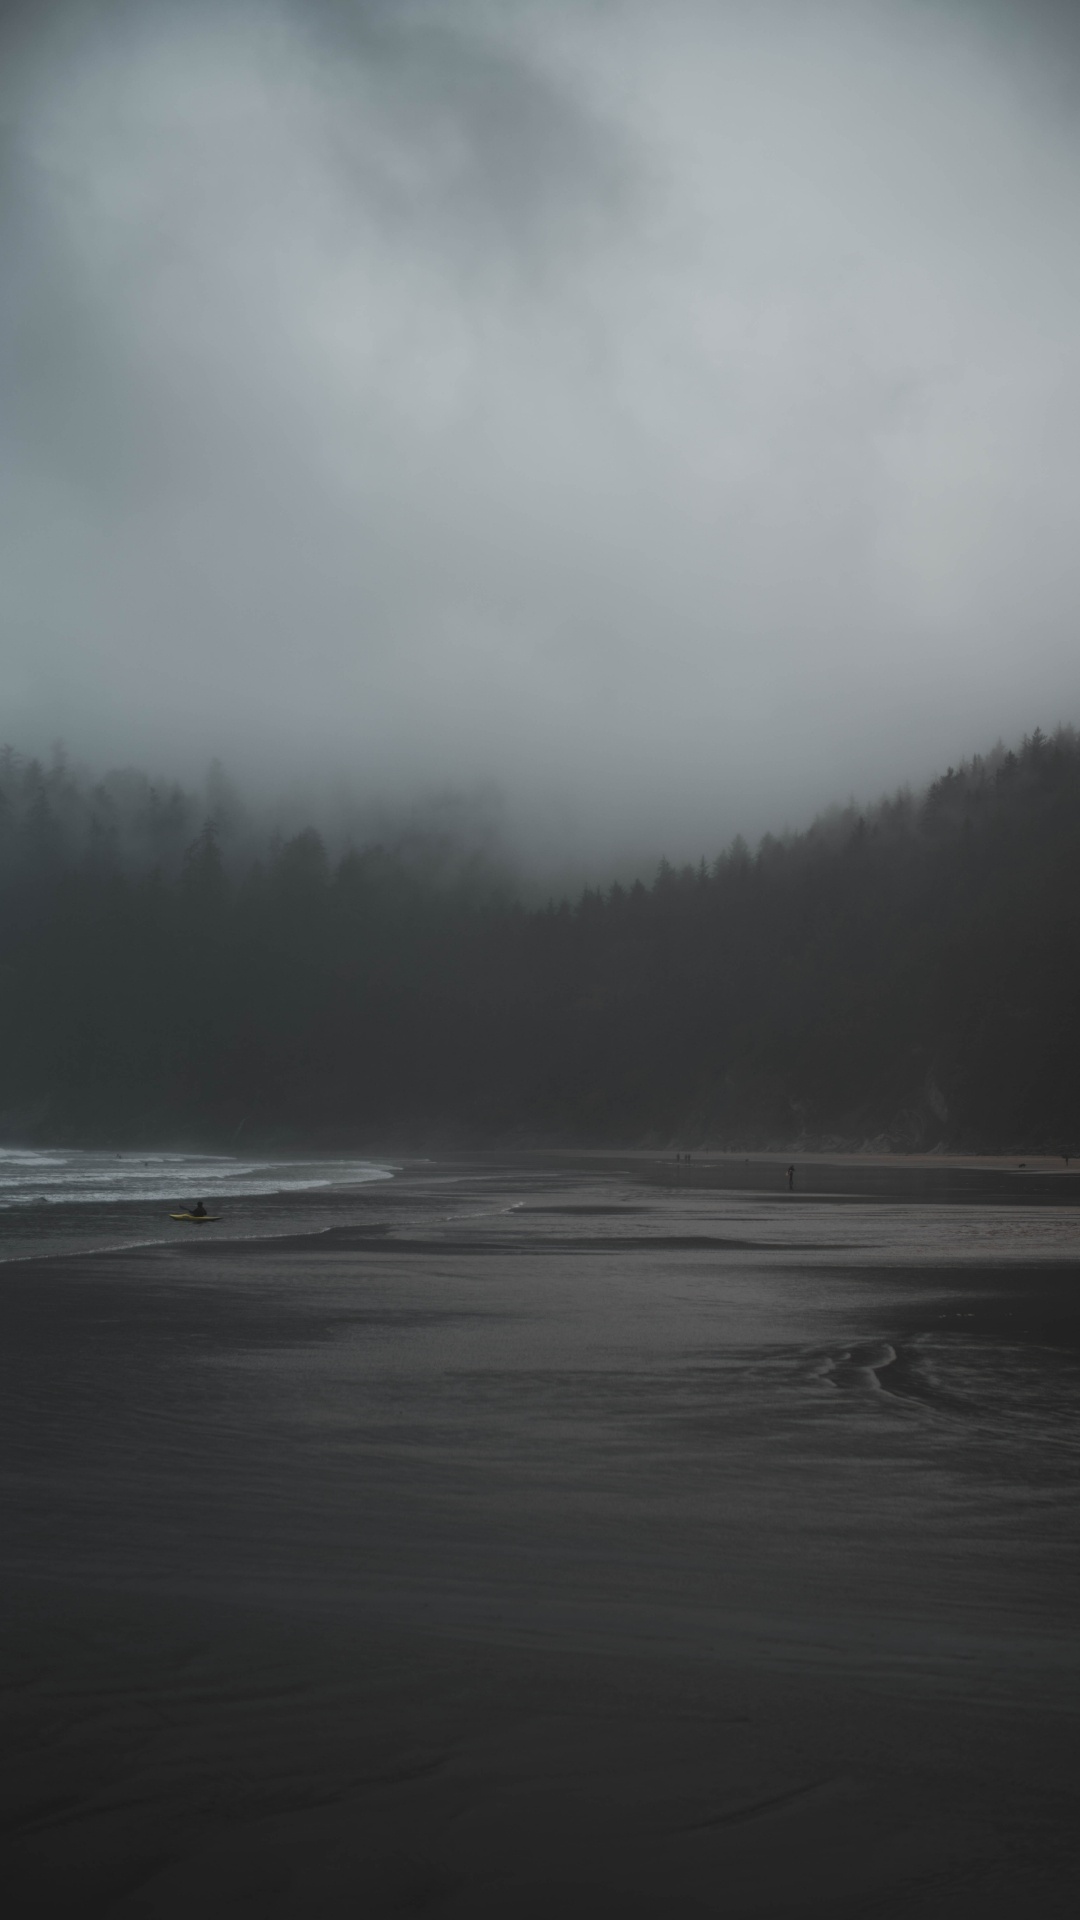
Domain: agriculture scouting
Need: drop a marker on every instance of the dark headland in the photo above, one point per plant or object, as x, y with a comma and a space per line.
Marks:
899, 977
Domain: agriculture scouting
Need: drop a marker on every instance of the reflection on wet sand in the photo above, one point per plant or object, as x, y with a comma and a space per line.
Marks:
547, 1538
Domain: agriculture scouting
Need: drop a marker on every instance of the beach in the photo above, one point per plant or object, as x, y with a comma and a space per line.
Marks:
550, 1534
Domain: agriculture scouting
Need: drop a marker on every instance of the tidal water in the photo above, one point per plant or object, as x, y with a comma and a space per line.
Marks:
68, 1200
742, 1493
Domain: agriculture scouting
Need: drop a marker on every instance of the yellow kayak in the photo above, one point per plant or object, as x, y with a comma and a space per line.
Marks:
197, 1219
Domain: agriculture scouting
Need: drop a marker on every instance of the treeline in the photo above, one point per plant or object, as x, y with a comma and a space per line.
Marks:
905, 975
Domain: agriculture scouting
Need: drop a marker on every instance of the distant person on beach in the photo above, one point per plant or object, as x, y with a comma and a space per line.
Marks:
198, 1211
791, 1179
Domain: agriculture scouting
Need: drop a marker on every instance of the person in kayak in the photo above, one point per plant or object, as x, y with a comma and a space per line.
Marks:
198, 1211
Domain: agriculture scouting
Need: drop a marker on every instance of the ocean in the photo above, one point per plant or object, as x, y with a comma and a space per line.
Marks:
66, 1200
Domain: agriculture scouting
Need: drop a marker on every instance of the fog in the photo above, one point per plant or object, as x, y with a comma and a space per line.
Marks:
664, 416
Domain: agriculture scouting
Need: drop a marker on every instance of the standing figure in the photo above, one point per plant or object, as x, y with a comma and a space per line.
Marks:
791, 1179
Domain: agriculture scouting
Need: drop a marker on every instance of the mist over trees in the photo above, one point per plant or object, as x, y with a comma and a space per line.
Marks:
901, 975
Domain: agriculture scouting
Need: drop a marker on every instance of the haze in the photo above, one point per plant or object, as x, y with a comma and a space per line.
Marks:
665, 415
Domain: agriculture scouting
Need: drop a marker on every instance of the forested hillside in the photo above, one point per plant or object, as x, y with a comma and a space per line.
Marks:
905, 974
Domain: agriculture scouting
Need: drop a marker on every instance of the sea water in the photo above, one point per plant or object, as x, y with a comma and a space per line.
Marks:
66, 1200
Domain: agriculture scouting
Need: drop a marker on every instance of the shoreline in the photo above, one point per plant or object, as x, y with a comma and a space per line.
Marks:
648, 1564
993, 1182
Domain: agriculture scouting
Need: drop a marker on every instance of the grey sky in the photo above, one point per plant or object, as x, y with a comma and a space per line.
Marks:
668, 412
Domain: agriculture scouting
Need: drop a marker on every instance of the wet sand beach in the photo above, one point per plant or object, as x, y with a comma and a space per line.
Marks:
574, 1535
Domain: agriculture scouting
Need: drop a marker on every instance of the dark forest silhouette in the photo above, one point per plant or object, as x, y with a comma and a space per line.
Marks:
904, 975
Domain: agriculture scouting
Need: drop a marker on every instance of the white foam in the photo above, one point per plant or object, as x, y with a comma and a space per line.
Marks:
72, 1178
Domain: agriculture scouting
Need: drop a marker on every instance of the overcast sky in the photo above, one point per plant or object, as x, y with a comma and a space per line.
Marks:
668, 412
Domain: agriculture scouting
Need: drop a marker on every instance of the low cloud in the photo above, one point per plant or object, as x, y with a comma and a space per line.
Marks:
667, 415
